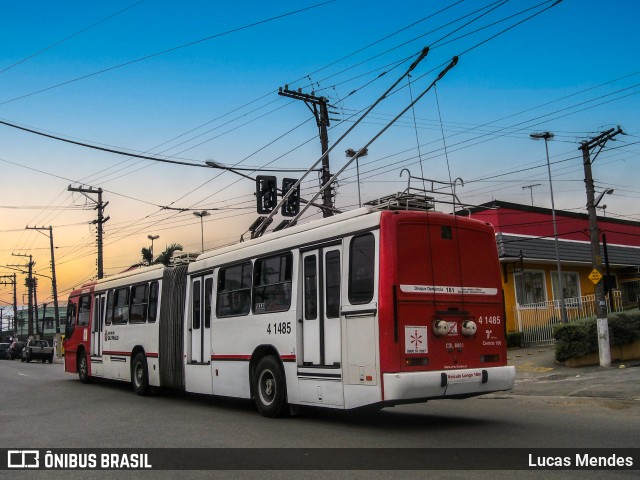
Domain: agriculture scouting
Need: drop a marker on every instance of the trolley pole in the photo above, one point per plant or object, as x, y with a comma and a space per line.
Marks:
604, 348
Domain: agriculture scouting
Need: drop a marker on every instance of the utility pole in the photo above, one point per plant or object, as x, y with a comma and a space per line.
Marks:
100, 221
54, 285
319, 108
586, 146
29, 290
6, 280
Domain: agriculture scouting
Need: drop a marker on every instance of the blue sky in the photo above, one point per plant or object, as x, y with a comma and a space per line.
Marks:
572, 70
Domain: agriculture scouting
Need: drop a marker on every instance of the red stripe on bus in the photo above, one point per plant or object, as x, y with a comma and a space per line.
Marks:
128, 354
231, 357
246, 358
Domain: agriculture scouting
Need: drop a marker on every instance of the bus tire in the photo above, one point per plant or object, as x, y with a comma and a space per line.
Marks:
140, 375
269, 387
83, 368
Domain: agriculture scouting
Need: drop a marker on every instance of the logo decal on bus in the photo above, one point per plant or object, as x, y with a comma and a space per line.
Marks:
415, 339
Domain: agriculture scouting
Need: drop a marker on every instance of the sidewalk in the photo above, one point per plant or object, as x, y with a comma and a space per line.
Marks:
537, 373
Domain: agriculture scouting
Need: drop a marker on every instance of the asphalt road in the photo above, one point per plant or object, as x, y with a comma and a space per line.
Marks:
42, 407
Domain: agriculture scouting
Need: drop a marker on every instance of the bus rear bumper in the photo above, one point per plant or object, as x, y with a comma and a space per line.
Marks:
447, 384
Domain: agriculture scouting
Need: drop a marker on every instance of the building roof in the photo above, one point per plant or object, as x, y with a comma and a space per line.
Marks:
543, 249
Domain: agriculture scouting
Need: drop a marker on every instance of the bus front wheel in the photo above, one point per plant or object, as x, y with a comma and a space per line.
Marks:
269, 389
140, 375
83, 368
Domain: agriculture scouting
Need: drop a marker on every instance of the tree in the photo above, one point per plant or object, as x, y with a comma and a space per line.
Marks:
147, 256
164, 258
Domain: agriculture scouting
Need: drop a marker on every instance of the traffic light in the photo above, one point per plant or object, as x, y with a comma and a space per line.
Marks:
266, 193
291, 206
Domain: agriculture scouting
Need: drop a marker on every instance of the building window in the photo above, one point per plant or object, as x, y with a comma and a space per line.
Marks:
530, 287
570, 285
630, 292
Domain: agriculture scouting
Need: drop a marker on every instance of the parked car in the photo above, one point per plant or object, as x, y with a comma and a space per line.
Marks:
15, 350
37, 350
4, 350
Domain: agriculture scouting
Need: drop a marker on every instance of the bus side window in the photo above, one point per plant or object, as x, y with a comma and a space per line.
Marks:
84, 310
234, 290
71, 319
121, 306
208, 294
361, 269
153, 301
109, 313
138, 311
332, 283
272, 284
72, 314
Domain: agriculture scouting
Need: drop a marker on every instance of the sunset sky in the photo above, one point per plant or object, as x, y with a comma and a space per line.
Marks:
194, 81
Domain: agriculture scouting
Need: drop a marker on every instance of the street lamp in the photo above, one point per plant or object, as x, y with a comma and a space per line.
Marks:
202, 214
152, 238
350, 153
597, 201
546, 136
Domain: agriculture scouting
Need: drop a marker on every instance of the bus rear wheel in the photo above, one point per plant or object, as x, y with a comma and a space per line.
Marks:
83, 368
269, 388
140, 375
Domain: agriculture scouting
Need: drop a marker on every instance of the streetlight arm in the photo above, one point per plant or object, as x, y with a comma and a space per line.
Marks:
608, 191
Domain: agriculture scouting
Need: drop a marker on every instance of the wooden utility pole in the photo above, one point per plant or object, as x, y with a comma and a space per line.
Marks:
6, 280
29, 290
100, 221
596, 260
319, 108
54, 285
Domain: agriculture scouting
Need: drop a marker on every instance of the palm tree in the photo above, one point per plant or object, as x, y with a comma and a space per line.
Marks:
164, 258
147, 256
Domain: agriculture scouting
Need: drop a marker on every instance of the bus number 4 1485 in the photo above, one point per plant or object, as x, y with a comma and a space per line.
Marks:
282, 328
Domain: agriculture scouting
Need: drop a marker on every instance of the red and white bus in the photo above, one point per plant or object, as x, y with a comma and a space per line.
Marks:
364, 308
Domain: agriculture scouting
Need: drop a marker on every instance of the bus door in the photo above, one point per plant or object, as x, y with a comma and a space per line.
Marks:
201, 300
97, 329
321, 307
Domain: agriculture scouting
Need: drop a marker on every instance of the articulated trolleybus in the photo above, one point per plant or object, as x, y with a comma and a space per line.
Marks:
366, 308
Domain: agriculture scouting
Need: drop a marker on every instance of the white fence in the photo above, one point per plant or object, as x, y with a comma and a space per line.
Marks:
536, 320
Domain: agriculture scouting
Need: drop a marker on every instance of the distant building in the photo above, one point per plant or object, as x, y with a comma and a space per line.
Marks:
46, 325
526, 248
